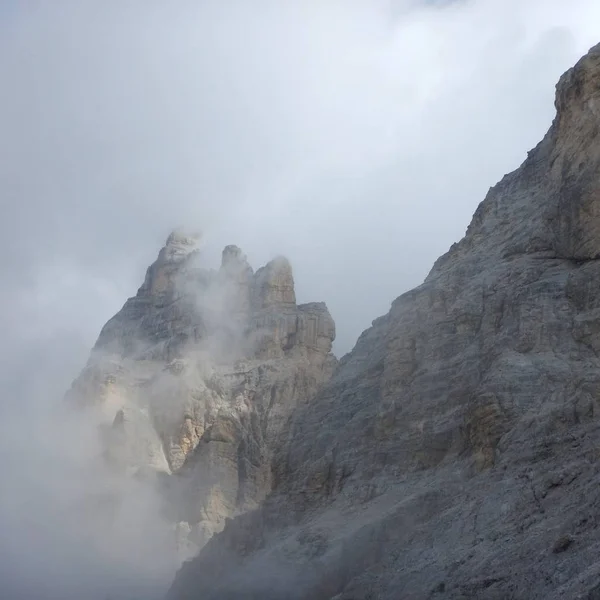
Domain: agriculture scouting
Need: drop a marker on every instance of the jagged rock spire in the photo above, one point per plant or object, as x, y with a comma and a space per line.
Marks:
202, 369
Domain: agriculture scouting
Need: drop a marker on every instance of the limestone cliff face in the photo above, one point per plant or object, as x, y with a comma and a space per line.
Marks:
455, 452
197, 376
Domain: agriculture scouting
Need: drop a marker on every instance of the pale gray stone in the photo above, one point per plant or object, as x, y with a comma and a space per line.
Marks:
197, 377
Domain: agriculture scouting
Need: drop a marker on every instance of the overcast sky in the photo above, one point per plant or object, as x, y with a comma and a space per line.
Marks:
355, 137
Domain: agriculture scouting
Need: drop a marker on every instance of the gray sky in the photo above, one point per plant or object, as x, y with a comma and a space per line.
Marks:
355, 137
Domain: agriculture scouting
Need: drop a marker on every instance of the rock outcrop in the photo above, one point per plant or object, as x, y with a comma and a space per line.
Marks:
197, 376
455, 452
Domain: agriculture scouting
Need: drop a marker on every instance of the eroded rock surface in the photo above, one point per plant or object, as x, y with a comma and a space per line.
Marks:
455, 452
197, 376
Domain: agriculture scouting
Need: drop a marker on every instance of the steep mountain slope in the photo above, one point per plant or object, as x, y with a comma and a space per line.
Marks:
196, 377
455, 452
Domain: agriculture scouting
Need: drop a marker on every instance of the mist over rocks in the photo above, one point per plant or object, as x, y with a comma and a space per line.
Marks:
196, 378
309, 132
454, 454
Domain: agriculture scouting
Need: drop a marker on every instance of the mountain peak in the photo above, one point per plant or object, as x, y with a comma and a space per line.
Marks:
199, 373
181, 242
579, 87
549, 206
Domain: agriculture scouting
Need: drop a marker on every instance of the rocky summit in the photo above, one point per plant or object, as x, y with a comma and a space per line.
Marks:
196, 378
455, 452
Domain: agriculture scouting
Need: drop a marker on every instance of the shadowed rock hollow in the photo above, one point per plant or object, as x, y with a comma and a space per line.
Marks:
455, 452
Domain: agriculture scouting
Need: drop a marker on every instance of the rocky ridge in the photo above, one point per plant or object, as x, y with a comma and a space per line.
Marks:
196, 377
454, 452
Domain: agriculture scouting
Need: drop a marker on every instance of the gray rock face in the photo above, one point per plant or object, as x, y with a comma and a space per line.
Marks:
196, 377
454, 454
